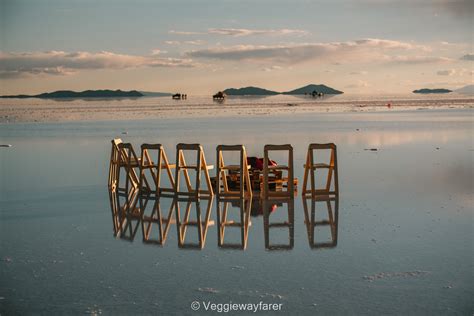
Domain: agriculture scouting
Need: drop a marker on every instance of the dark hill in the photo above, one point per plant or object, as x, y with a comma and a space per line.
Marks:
63, 94
427, 91
319, 88
249, 91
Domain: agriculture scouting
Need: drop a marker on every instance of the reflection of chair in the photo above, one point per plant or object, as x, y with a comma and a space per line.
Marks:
183, 222
238, 173
311, 167
117, 213
125, 213
155, 219
312, 224
114, 165
289, 223
223, 223
267, 181
199, 167
155, 167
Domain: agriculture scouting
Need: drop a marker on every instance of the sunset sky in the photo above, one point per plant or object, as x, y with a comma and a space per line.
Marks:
200, 47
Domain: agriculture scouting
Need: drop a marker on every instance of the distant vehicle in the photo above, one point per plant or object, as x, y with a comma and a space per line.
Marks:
179, 96
315, 94
219, 96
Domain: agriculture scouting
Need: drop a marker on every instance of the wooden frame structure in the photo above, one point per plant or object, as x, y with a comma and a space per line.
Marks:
241, 173
182, 223
289, 193
312, 224
311, 167
114, 165
132, 163
200, 167
155, 167
245, 206
290, 223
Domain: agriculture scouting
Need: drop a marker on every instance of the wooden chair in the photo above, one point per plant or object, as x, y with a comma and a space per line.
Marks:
131, 162
114, 165
243, 224
279, 225
312, 224
240, 172
183, 222
289, 193
155, 167
311, 166
200, 167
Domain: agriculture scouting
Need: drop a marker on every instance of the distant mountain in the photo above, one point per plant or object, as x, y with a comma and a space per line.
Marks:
469, 89
249, 91
155, 94
63, 94
319, 88
427, 91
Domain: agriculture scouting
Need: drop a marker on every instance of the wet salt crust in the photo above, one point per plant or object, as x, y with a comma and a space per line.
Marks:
404, 234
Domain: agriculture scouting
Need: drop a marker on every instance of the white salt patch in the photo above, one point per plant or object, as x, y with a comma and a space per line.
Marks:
208, 290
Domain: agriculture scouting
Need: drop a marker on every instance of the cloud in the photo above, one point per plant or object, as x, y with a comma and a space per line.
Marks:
464, 72
172, 42
335, 52
248, 32
272, 68
358, 85
358, 73
448, 72
184, 33
13, 65
416, 60
468, 57
196, 42
244, 32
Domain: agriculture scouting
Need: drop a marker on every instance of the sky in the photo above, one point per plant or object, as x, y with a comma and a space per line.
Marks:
200, 47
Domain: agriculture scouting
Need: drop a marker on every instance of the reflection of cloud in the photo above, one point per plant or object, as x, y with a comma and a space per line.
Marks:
448, 72
365, 49
61, 63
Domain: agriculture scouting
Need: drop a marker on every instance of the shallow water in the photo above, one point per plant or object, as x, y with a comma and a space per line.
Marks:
404, 233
